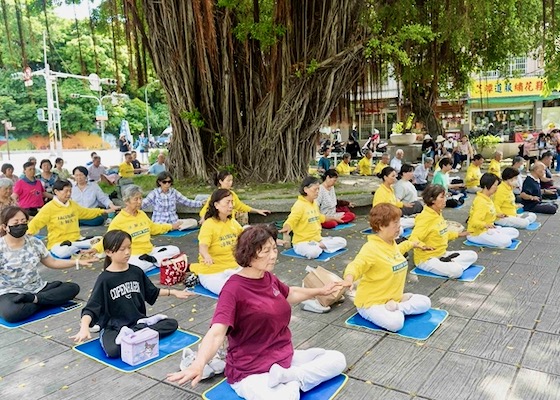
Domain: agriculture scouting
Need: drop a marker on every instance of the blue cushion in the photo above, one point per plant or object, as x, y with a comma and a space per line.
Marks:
323, 257
469, 275
514, 245
42, 314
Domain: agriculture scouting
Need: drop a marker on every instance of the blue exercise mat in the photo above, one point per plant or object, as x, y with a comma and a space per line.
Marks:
325, 391
153, 272
514, 245
406, 232
42, 314
167, 346
323, 257
520, 210
418, 327
201, 290
178, 234
342, 226
469, 275
533, 226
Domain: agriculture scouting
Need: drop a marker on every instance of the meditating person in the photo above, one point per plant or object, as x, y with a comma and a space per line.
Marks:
422, 172
140, 227
428, 147
224, 180
482, 216
405, 192
397, 161
59, 169
504, 202
495, 166
386, 194
454, 195
472, 178
216, 243
22, 290
253, 313
463, 151
330, 206
8, 172
324, 163
384, 162
47, 178
431, 229
159, 166
99, 173
89, 195
364, 165
6, 190
380, 269
61, 218
126, 169
118, 300
305, 221
531, 193
164, 200
343, 168
518, 163
549, 190
28, 191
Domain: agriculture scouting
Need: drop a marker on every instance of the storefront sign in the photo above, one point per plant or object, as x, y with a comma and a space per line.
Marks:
532, 86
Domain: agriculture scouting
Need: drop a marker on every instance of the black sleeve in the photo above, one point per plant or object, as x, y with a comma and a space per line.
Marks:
151, 291
96, 302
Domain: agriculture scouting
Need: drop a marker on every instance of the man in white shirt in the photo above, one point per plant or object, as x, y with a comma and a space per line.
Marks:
97, 172
396, 162
422, 172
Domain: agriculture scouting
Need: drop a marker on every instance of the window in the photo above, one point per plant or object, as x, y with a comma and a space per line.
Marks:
517, 66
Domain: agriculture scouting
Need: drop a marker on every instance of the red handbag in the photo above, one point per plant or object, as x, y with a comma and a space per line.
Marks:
173, 270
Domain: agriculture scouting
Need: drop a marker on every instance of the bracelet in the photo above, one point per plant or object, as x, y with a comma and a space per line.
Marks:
77, 264
168, 292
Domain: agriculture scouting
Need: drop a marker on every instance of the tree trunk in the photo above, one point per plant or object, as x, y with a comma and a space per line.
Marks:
20, 33
238, 102
7, 28
93, 38
423, 105
115, 36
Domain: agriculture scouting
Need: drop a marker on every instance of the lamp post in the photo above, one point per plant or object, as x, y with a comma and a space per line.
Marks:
148, 108
7, 128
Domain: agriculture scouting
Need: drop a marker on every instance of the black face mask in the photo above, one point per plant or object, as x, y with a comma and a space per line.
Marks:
18, 231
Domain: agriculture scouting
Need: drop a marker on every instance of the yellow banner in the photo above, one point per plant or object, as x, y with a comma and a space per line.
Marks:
533, 86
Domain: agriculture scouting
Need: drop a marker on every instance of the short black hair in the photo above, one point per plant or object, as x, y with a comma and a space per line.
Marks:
385, 172
444, 162
477, 157
83, 170
330, 173
218, 195
28, 164
509, 173
6, 167
546, 154
487, 180
220, 176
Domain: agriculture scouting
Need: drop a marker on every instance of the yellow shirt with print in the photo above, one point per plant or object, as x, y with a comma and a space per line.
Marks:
364, 166
482, 213
381, 270
62, 221
221, 238
504, 200
140, 228
495, 168
238, 206
344, 169
430, 228
472, 179
305, 220
379, 167
386, 194
126, 170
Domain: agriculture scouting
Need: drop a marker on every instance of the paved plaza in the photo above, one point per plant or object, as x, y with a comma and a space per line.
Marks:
500, 341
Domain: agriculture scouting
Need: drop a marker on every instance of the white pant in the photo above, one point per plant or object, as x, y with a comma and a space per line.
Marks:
394, 320
310, 372
452, 269
407, 223
312, 250
159, 253
75, 247
522, 221
499, 237
215, 282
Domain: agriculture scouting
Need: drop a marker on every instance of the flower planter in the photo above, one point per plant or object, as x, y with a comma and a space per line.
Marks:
403, 139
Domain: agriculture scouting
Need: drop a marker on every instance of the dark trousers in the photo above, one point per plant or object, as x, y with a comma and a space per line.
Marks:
458, 159
97, 221
415, 209
107, 336
543, 208
52, 295
420, 186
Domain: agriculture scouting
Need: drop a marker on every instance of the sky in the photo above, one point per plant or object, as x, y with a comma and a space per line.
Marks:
67, 11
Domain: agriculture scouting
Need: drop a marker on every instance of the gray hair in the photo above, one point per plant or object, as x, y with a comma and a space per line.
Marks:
346, 155
6, 182
428, 160
131, 191
517, 159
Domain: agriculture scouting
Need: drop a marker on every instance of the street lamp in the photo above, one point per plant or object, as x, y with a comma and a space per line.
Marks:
148, 108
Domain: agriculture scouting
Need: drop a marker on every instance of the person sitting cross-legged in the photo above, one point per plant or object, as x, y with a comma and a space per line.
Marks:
431, 229
329, 206
343, 168
504, 201
406, 192
472, 178
531, 192
386, 194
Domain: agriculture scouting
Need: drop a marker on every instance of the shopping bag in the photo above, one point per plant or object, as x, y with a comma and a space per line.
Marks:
173, 270
319, 277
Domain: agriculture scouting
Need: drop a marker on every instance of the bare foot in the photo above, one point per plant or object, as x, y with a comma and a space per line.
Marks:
392, 305
406, 296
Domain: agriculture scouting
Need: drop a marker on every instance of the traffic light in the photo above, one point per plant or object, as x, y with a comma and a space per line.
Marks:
109, 81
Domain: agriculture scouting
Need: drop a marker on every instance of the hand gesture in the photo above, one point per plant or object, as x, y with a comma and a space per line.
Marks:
192, 373
339, 220
408, 205
285, 229
490, 226
86, 262
176, 225
114, 208
262, 212
182, 294
89, 252
332, 287
206, 259
82, 335
351, 205
464, 234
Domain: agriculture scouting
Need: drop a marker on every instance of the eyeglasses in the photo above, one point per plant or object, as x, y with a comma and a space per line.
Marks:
170, 182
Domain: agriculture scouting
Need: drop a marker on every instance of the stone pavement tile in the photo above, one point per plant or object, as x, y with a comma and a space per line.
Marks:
486, 282
457, 300
461, 377
548, 236
549, 321
492, 342
554, 294
543, 353
22, 354
535, 385
334, 316
539, 254
352, 343
397, 364
510, 311
358, 390
422, 285
533, 284
164, 391
447, 333
107, 382
486, 254
9, 336
48, 376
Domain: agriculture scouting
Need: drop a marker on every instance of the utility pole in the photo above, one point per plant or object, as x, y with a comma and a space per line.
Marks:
7, 128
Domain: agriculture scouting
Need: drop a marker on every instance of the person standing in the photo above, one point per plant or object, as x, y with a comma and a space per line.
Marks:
123, 145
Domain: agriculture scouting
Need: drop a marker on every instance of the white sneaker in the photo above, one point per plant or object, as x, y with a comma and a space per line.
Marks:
95, 328
314, 306
189, 357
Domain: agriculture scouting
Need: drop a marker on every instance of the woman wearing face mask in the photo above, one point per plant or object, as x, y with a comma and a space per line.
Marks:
61, 216
22, 290
504, 201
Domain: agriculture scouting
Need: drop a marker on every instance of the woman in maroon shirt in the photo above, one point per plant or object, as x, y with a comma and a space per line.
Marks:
253, 312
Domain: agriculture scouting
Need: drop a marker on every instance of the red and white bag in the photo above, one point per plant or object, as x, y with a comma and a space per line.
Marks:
173, 270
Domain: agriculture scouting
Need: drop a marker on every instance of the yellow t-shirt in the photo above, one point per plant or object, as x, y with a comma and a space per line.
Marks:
344, 169
305, 220
364, 166
495, 168
126, 170
140, 228
386, 195
221, 238
482, 213
381, 270
472, 179
62, 221
430, 228
379, 167
504, 200
238, 206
